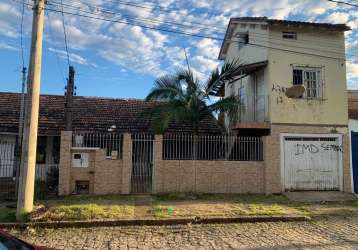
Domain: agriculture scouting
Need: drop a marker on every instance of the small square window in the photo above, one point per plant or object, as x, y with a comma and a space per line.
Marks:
289, 35
243, 25
252, 26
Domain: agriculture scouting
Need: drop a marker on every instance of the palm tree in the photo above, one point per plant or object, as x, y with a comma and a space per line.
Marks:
183, 98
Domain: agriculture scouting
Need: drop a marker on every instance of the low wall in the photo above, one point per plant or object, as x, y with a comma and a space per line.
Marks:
105, 175
209, 176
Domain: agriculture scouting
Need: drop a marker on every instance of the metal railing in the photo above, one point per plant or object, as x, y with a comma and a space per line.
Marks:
212, 148
111, 142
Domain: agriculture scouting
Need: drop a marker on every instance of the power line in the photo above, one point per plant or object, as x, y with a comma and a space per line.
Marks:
64, 33
341, 2
251, 32
190, 34
96, 17
21, 34
105, 11
56, 53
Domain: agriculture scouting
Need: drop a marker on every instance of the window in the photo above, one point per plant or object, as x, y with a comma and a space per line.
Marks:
289, 35
310, 78
242, 39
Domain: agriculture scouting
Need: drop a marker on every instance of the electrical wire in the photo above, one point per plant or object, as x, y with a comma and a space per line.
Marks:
190, 34
21, 34
342, 2
56, 53
96, 17
64, 33
161, 22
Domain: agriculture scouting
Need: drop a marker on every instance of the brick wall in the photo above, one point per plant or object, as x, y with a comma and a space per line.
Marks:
206, 176
114, 176
105, 175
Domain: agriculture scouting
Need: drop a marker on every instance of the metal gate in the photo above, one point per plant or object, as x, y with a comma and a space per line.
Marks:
142, 163
7, 167
312, 162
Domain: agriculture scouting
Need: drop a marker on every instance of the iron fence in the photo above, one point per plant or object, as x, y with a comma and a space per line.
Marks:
111, 142
209, 147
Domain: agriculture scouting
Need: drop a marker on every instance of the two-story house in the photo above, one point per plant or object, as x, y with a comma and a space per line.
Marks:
293, 92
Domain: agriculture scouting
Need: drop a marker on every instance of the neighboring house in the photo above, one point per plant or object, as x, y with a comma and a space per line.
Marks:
353, 132
90, 115
307, 136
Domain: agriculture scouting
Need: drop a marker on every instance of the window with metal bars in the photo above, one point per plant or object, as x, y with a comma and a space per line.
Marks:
310, 78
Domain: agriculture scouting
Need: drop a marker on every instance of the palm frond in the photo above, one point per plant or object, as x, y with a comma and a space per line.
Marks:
229, 71
229, 105
165, 88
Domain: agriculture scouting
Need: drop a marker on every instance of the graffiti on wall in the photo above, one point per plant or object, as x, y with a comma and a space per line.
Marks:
303, 148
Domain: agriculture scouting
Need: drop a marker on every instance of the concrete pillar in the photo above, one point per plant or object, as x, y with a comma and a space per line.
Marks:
158, 158
127, 164
65, 163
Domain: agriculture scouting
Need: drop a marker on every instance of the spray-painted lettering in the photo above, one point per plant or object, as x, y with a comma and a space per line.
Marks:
302, 148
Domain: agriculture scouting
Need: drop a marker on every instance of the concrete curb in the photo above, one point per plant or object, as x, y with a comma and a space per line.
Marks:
156, 222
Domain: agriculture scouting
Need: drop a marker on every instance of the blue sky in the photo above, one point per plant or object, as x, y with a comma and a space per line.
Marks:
118, 60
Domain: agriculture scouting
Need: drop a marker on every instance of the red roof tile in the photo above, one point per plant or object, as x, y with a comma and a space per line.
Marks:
89, 114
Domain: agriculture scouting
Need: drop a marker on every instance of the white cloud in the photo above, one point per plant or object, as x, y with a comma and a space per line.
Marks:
352, 70
7, 46
72, 56
338, 17
154, 52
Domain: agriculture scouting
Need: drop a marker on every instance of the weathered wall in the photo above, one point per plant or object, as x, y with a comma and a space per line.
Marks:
206, 176
272, 155
333, 109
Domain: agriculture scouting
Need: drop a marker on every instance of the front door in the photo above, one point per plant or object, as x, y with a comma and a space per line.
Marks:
142, 163
354, 141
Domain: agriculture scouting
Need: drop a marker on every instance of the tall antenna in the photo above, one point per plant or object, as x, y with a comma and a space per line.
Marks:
186, 58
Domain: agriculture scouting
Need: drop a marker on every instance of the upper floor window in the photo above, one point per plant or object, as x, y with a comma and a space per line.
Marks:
289, 35
242, 39
311, 79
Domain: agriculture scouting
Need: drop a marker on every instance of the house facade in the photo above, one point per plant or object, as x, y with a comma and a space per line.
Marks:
293, 92
353, 133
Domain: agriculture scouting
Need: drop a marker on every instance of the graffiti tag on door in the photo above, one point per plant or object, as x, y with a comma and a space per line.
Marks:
304, 148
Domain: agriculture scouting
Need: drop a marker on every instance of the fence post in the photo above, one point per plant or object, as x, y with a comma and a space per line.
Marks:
127, 164
65, 163
157, 163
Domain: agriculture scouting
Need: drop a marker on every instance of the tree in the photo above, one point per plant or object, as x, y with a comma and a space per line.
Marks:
183, 98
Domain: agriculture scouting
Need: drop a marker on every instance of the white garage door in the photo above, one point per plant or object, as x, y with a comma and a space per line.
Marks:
312, 163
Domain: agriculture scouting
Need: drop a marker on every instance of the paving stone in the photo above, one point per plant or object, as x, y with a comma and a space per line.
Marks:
333, 233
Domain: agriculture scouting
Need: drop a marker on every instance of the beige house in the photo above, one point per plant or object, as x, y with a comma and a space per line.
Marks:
306, 135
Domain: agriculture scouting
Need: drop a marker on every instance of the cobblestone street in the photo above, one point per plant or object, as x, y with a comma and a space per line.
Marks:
334, 233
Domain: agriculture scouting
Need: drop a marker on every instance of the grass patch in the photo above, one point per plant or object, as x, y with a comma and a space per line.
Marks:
7, 214
88, 208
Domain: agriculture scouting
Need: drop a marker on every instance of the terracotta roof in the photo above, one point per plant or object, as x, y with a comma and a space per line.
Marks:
89, 114
353, 104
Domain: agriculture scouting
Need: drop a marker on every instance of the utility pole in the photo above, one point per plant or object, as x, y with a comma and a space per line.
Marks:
25, 198
69, 97
21, 128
